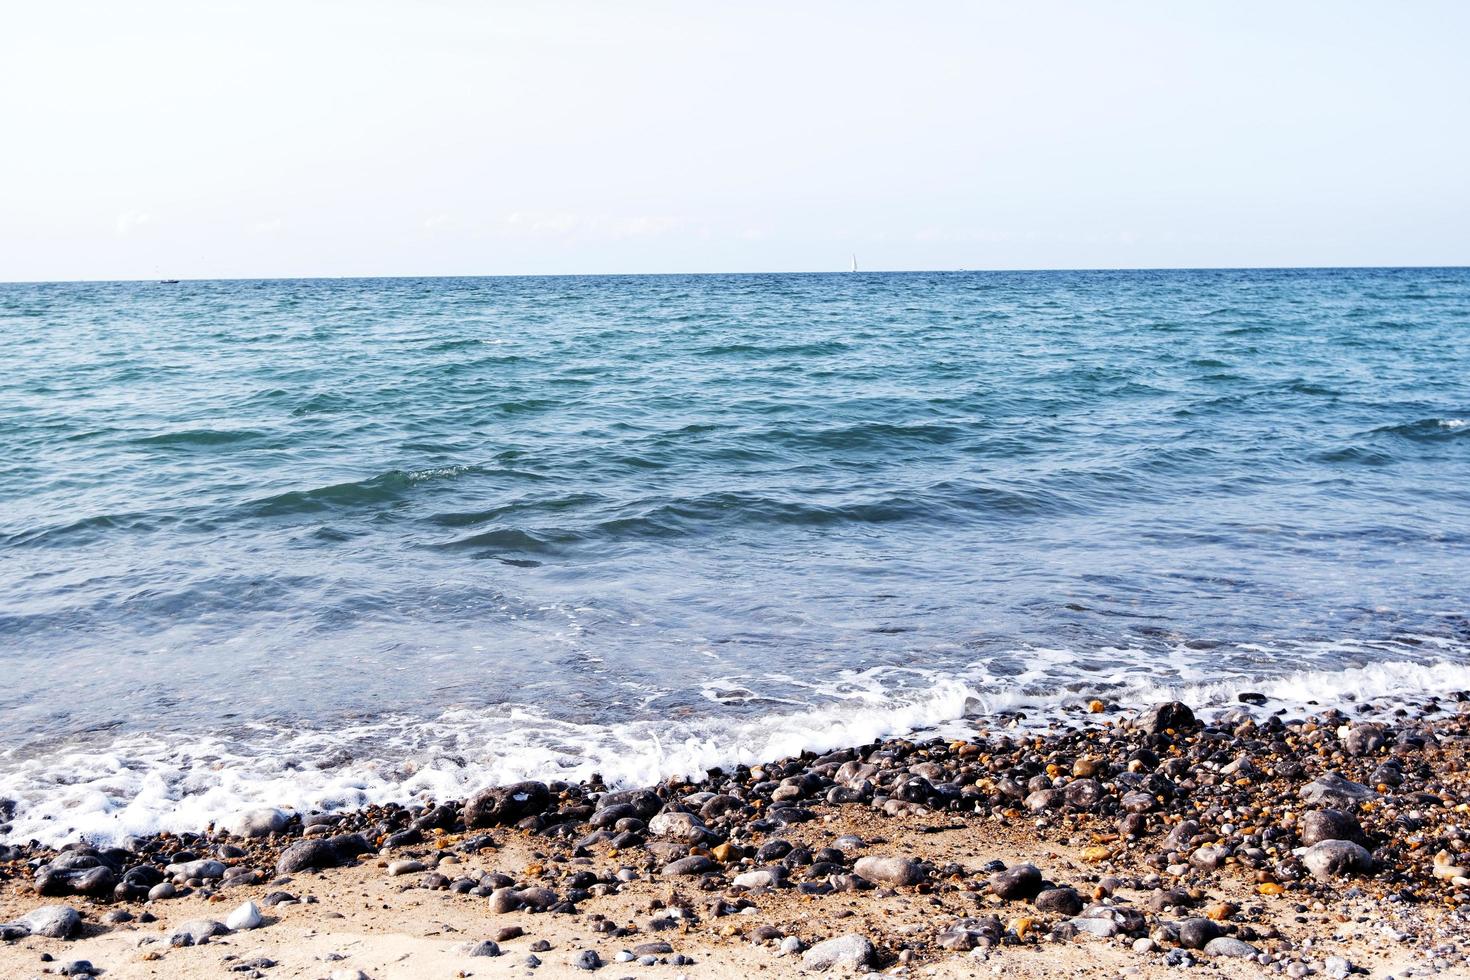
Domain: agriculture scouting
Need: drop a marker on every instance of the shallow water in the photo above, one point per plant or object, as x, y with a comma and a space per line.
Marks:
339, 540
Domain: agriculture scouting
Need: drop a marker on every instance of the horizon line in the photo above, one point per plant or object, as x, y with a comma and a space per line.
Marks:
804, 272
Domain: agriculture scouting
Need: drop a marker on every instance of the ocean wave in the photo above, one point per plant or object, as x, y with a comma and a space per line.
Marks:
1427, 430
141, 783
201, 437
381, 489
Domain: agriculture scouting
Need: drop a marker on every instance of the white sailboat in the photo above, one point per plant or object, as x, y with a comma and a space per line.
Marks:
854, 263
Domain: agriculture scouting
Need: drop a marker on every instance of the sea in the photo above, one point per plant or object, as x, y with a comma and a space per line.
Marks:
319, 543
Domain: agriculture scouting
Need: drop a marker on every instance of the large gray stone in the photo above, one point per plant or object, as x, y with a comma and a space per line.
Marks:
1320, 825
850, 952
52, 921
260, 822
679, 826
1230, 946
196, 932
1337, 858
888, 870
1331, 789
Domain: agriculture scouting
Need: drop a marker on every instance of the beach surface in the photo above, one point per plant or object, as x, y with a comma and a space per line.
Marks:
1130, 842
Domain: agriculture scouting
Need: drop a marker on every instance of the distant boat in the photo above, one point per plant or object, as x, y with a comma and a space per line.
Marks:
854, 263
167, 282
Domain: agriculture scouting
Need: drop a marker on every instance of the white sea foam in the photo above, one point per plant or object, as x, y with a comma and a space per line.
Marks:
1452, 423
139, 784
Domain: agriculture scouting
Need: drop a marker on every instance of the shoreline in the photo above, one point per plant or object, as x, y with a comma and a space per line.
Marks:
101, 789
1132, 842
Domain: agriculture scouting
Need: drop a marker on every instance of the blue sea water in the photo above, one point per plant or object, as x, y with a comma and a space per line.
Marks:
316, 542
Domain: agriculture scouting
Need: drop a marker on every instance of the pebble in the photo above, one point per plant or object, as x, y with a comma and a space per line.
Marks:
1329, 824
1334, 790
258, 823
587, 960
1229, 946
852, 952
51, 921
1196, 933
484, 947
1336, 858
196, 932
244, 917
695, 864
893, 871
1022, 881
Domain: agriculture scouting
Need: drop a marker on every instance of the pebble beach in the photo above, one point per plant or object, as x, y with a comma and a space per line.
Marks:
1121, 840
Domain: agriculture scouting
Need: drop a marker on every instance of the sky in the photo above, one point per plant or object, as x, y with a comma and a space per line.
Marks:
470, 137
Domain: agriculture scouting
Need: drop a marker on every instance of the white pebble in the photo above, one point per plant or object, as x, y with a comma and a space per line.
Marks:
247, 916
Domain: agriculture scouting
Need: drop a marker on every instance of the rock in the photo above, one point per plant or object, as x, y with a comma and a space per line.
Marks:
788, 946
1101, 928
964, 934
1043, 799
850, 952
1083, 794
96, 880
537, 897
587, 960
1320, 825
1021, 882
1060, 901
399, 868
204, 870
695, 864
52, 921
258, 823
644, 803
761, 878
196, 932
1171, 714
161, 891
1337, 967
892, 871
653, 949
77, 968
1229, 946
680, 826
1336, 858
1207, 858
1331, 789
1365, 738
1125, 920
306, 855
1196, 933
246, 916
504, 900
483, 948
506, 804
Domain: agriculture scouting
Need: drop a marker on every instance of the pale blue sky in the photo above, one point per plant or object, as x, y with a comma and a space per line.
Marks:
449, 137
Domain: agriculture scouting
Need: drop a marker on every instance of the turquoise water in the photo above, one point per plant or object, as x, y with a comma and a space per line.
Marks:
375, 536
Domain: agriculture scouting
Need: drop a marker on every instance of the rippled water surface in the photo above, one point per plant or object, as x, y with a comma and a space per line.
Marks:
347, 539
